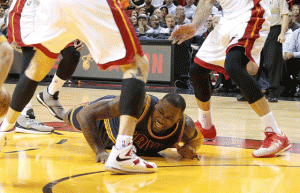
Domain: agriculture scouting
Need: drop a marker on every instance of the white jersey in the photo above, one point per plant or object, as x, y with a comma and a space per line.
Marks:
246, 23
102, 25
235, 8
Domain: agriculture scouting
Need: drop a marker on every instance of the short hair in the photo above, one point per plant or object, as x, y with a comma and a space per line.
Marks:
170, 16
175, 100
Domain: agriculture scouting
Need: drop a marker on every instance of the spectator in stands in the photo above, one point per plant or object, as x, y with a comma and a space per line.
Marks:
149, 8
171, 7
190, 9
134, 22
288, 81
134, 13
180, 19
296, 13
164, 13
170, 20
157, 12
157, 3
180, 15
293, 25
143, 26
133, 4
157, 32
2, 14
142, 10
292, 57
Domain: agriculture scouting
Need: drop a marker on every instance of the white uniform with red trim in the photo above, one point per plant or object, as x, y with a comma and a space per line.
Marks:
245, 23
101, 24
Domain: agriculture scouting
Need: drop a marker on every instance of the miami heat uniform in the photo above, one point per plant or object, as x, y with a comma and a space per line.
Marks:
245, 23
102, 25
144, 139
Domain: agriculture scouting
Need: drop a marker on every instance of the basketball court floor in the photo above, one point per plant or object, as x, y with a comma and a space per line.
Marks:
62, 162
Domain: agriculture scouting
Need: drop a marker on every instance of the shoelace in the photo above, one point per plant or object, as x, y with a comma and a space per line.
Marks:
267, 142
34, 122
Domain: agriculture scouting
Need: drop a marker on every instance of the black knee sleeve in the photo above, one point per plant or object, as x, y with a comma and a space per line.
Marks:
68, 64
132, 97
200, 81
28, 53
235, 66
23, 93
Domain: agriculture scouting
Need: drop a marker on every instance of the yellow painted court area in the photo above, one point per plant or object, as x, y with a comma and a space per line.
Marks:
62, 162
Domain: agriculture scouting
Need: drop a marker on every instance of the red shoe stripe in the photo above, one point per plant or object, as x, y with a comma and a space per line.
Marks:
137, 161
148, 165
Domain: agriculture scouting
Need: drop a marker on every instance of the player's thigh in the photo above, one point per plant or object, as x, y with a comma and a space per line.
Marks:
39, 66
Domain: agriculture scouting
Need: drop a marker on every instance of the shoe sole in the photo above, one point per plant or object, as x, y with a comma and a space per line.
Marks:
274, 154
39, 99
120, 171
30, 131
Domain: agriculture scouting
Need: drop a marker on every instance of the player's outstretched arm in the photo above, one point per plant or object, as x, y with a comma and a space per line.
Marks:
192, 140
87, 118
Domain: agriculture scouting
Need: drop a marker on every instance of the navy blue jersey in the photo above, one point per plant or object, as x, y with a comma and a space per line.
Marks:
144, 139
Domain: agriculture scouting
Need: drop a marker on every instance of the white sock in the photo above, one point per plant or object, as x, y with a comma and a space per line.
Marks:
6, 126
123, 141
269, 121
28, 106
205, 119
55, 85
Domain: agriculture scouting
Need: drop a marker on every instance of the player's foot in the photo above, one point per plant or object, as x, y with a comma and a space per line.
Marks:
52, 103
126, 161
273, 145
28, 124
209, 134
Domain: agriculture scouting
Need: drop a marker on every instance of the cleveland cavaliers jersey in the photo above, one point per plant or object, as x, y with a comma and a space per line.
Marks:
144, 139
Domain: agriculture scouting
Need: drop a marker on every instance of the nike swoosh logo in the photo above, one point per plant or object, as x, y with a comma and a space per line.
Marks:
120, 159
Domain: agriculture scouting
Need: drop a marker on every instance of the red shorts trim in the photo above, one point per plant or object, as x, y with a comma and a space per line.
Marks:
252, 30
211, 67
46, 51
14, 30
130, 39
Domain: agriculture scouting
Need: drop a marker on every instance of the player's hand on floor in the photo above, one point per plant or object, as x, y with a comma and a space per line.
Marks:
101, 156
182, 33
187, 152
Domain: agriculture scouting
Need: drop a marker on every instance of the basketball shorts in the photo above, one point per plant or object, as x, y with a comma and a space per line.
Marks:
248, 30
101, 24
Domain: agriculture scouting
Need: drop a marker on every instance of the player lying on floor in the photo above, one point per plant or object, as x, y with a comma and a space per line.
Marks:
161, 125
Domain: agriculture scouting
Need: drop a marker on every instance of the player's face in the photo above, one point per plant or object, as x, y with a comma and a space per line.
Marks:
165, 116
179, 9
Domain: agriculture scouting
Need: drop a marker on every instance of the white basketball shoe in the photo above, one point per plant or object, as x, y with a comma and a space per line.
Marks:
126, 161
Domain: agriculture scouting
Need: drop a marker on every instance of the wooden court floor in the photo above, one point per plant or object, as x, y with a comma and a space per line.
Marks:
62, 162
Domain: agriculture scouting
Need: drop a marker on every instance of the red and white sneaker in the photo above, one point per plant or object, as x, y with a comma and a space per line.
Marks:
273, 145
126, 161
207, 134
